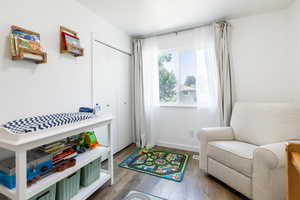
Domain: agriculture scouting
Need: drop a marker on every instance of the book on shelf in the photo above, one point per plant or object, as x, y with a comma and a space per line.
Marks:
51, 145
28, 44
73, 49
64, 156
71, 43
12, 45
16, 45
56, 149
32, 56
27, 36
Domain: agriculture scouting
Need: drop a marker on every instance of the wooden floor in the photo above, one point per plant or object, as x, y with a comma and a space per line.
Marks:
195, 186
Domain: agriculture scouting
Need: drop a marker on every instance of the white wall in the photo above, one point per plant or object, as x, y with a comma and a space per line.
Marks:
294, 23
64, 83
266, 67
178, 127
265, 52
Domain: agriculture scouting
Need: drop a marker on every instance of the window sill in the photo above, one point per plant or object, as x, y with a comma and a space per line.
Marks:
177, 106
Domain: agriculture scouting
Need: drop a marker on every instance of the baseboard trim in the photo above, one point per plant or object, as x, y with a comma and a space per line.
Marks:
178, 146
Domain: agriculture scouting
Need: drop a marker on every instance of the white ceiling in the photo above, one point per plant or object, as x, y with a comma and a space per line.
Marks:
142, 17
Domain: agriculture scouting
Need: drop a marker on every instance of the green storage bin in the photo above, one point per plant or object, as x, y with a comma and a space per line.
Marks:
68, 187
48, 194
90, 173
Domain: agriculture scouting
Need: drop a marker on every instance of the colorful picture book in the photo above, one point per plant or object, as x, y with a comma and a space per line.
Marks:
28, 44
71, 43
26, 36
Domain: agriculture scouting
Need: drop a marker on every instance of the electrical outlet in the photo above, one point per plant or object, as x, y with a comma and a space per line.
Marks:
196, 157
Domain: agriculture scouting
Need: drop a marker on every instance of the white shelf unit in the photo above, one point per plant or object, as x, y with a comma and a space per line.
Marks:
20, 144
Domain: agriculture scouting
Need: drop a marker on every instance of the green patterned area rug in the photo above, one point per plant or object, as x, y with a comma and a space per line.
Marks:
164, 164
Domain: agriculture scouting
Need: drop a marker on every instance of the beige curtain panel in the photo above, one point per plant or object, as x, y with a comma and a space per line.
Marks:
138, 95
222, 41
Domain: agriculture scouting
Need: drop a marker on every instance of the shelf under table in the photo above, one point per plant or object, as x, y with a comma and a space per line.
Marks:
81, 160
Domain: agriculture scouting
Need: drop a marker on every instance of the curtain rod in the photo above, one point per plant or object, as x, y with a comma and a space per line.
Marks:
171, 32
151, 35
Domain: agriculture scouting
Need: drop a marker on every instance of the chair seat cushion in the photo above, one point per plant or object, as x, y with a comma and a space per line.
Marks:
234, 154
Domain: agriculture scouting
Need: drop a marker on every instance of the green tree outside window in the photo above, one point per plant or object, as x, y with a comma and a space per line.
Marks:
167, 80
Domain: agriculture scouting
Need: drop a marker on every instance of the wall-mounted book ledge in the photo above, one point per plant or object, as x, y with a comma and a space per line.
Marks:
70, 42
26, 45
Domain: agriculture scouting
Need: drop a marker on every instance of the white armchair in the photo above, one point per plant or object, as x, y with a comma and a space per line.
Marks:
250, 155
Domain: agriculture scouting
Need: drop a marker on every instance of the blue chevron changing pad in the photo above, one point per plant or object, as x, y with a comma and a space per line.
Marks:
32, 124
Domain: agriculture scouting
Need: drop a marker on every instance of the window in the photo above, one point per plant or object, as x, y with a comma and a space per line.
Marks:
178, 77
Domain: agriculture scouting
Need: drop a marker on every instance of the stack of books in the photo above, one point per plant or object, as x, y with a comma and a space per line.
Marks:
19, 39
62, 153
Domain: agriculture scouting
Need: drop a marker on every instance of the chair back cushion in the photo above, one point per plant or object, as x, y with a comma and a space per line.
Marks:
265, 123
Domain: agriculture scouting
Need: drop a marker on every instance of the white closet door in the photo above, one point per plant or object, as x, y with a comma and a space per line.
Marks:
105, 85
125, 136
111, 82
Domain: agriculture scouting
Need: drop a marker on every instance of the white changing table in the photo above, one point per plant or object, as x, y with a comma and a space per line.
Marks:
20, 144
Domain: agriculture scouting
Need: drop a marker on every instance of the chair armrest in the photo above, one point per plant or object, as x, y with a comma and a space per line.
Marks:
272, 155
269, 172
211, 134
216, 133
